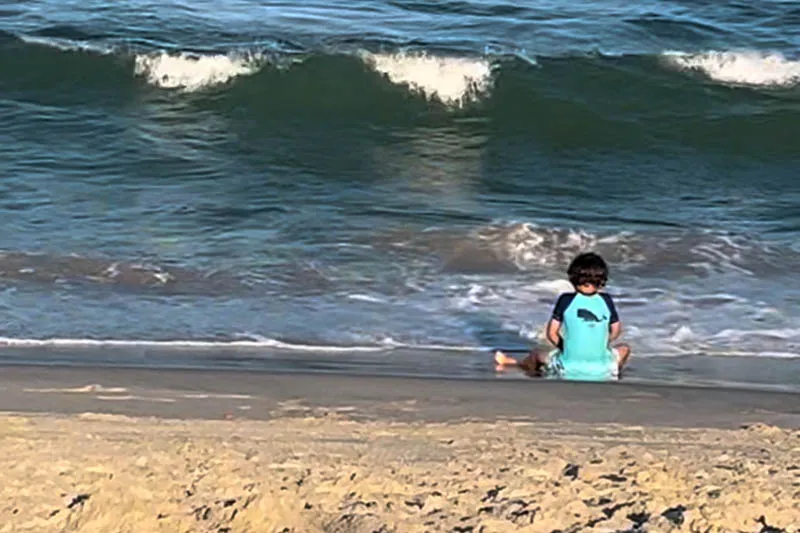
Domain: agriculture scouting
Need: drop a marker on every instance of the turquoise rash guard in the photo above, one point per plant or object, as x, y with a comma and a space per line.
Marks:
585, 321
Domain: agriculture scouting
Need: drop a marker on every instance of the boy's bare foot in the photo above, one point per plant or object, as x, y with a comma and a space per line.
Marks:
624, 353
503, 360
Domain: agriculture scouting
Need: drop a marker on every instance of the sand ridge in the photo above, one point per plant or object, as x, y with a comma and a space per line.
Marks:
327, 473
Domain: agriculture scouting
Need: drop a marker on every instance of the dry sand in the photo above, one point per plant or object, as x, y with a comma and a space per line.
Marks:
322, 471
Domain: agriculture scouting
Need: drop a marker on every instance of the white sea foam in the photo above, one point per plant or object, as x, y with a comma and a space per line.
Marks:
738, 335
389, 342
93, 388
258, 343
452, 80
744, 68
192, 72
68, 44
553, 286
527, 245
366, 298
683, 334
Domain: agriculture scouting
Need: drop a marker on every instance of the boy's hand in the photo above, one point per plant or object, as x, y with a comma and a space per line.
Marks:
614, 331
553, 333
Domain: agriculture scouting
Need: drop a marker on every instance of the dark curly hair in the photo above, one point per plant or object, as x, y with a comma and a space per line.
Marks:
588, 268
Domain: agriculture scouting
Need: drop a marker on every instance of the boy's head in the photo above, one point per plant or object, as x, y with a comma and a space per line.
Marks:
588, 271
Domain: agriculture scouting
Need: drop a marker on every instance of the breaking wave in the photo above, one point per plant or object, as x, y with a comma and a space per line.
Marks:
522, 247
451, 80
752, 68
573, 101
193, 72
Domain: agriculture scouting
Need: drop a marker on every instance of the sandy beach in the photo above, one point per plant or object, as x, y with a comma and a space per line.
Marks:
96, 454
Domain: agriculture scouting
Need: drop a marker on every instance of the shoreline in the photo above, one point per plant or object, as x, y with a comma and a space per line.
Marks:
194, 393
726, 371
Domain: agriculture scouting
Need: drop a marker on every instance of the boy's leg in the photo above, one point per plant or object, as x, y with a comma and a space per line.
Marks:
533, 364
502, 359
623, 354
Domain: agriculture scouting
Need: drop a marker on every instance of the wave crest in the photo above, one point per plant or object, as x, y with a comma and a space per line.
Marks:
520, 247
509, 247
192, 72
451, 80
743, 68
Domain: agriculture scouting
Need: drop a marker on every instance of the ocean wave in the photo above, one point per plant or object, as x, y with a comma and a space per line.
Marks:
499, 247
573, 101
451, 80
759, 69
508, 247
193, 72
52, 269
69, 44
437, 74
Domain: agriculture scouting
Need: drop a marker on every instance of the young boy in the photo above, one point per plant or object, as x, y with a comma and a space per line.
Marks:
583, 326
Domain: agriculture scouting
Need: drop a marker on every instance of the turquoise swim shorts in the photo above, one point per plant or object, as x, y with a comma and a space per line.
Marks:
605, 369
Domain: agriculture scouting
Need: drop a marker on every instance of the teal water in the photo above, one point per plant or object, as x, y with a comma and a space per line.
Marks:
399, 181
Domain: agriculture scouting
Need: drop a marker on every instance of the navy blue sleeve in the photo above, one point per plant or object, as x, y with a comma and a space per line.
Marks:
614, 318
561, 305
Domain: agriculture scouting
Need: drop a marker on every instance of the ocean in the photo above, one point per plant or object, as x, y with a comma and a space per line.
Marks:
398, 186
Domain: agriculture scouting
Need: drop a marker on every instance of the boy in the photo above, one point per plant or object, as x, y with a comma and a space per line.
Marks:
589, 323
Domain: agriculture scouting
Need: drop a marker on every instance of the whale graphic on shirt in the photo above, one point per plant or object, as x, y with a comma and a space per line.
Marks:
588, 316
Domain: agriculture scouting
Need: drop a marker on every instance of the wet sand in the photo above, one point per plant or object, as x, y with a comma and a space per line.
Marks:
136, 450
180, 393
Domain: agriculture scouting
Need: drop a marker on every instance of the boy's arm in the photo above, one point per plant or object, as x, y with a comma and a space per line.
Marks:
614, 325
553, 330
614, 331
553, 333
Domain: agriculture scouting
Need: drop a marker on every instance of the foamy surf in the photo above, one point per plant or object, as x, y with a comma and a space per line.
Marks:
512, 246
254, 344
179, 344
67, 45
742, 68
451, 80
191, 72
